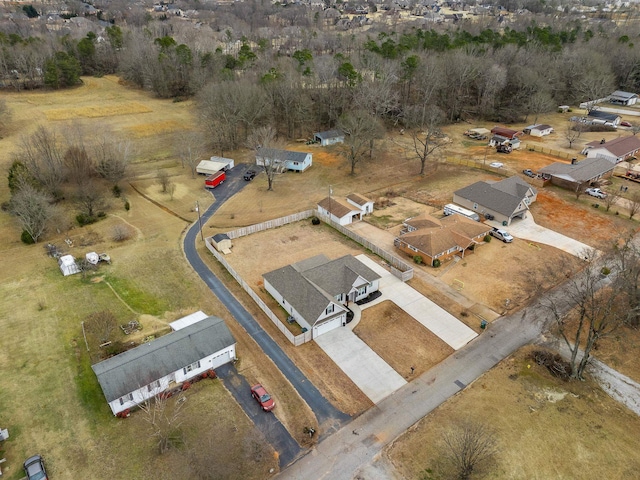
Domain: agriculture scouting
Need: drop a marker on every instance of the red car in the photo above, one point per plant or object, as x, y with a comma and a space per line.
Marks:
263, 398
625, 124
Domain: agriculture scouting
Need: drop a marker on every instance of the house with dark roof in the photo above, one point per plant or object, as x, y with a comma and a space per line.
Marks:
504, 200
287, 159
616, 150
604, 118
329, 137
198, 344
345, 212
508, 133
623, 98
578, 175
440, 239
317, 291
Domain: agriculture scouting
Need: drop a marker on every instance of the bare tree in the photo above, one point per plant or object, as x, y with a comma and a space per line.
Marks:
588, 310
90, 199
121, 232
163, 180
634, 204
42, 154
635, 128
611, 199
34, 210
189, 147
469, 447
101, 325
165, 416
264, 140
425, 132
573, 132
361, 129
626, 264
113, 156
79, 164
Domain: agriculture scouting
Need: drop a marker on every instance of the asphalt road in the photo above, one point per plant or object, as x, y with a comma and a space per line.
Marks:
329, 418
350, 451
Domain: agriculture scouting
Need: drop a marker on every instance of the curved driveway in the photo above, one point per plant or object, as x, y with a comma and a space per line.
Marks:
329, 418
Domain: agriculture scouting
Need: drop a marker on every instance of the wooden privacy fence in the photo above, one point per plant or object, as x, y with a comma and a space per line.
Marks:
556, 153
278, 222
295, 339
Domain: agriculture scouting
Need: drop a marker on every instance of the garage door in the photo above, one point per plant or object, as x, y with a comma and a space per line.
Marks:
327, 326
221, 359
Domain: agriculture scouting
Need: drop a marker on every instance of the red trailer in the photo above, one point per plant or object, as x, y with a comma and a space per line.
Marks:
214, 180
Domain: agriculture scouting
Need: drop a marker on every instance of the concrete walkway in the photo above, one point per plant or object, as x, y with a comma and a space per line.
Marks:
528, 229
363, 366
447, 327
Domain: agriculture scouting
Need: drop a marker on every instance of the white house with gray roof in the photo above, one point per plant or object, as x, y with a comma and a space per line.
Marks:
289, 159
316, 292
200, 343
504, 200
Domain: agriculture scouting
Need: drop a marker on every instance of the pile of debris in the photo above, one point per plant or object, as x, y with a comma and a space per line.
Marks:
554, 363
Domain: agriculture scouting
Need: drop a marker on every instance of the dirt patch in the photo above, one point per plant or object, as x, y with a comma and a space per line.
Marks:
386, 326
566, 429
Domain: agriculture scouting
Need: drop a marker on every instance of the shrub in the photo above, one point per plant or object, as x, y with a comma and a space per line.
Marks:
117, 191
605, 271
26, 238
121, 232
417, 259
487, 238
315, 220
127, 205
436, 263
84, 219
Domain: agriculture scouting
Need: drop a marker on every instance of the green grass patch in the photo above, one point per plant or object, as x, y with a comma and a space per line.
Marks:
89, 391
135, 297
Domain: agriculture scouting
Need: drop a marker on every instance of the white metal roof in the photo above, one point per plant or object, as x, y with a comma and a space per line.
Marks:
188, 320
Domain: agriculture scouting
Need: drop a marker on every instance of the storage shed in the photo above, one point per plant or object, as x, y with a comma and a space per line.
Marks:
222, 243
329, 137
68, 265
214, 164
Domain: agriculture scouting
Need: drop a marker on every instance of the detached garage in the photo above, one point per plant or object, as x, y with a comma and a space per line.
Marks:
214, 165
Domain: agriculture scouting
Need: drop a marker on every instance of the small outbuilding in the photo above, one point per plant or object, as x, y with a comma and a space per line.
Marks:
341, 212
623, 98
214, 165
92, 257
68, 265
538, 130
329, 137
508, 133
222, 243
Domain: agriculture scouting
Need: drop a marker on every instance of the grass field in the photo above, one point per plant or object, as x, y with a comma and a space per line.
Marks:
50, 400
545, 428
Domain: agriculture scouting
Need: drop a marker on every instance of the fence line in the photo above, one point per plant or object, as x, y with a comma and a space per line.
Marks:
294, 339
556, 153
399, 268
269, 224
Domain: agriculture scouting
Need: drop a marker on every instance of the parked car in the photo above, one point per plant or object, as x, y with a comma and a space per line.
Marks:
496, 164
34, 468
625, 124
249, 175
595, 192
529, 173
263, 398
504, 149
502, 235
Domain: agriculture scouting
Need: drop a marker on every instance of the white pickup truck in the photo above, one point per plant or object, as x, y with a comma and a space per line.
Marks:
595, 192
502, 235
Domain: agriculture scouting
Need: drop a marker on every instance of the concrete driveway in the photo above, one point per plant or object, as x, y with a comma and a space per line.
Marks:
528, 229
363, 366
447, 327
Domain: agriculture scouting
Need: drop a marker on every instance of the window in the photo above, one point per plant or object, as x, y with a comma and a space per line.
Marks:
126, 398
362, 290
153, 385
330, 309
475, 206
411, 247
191, 367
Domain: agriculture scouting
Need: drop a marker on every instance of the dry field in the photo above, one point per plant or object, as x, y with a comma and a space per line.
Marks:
546, 428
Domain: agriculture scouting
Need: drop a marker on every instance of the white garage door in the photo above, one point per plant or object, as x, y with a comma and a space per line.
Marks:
221, 359
327, 326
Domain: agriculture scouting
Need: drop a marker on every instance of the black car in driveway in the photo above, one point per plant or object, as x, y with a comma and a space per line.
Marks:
34, 468
249, 175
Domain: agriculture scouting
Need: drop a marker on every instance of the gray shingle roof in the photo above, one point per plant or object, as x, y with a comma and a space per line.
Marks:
282, 155
502, 197
611, 117
581, 172
329, 134
310, 285
142, 365
623, 95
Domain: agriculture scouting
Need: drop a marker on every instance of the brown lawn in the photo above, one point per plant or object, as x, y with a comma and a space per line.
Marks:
546, 428
384, 327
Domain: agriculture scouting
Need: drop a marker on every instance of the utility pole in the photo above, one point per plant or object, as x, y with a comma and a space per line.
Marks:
199, 220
